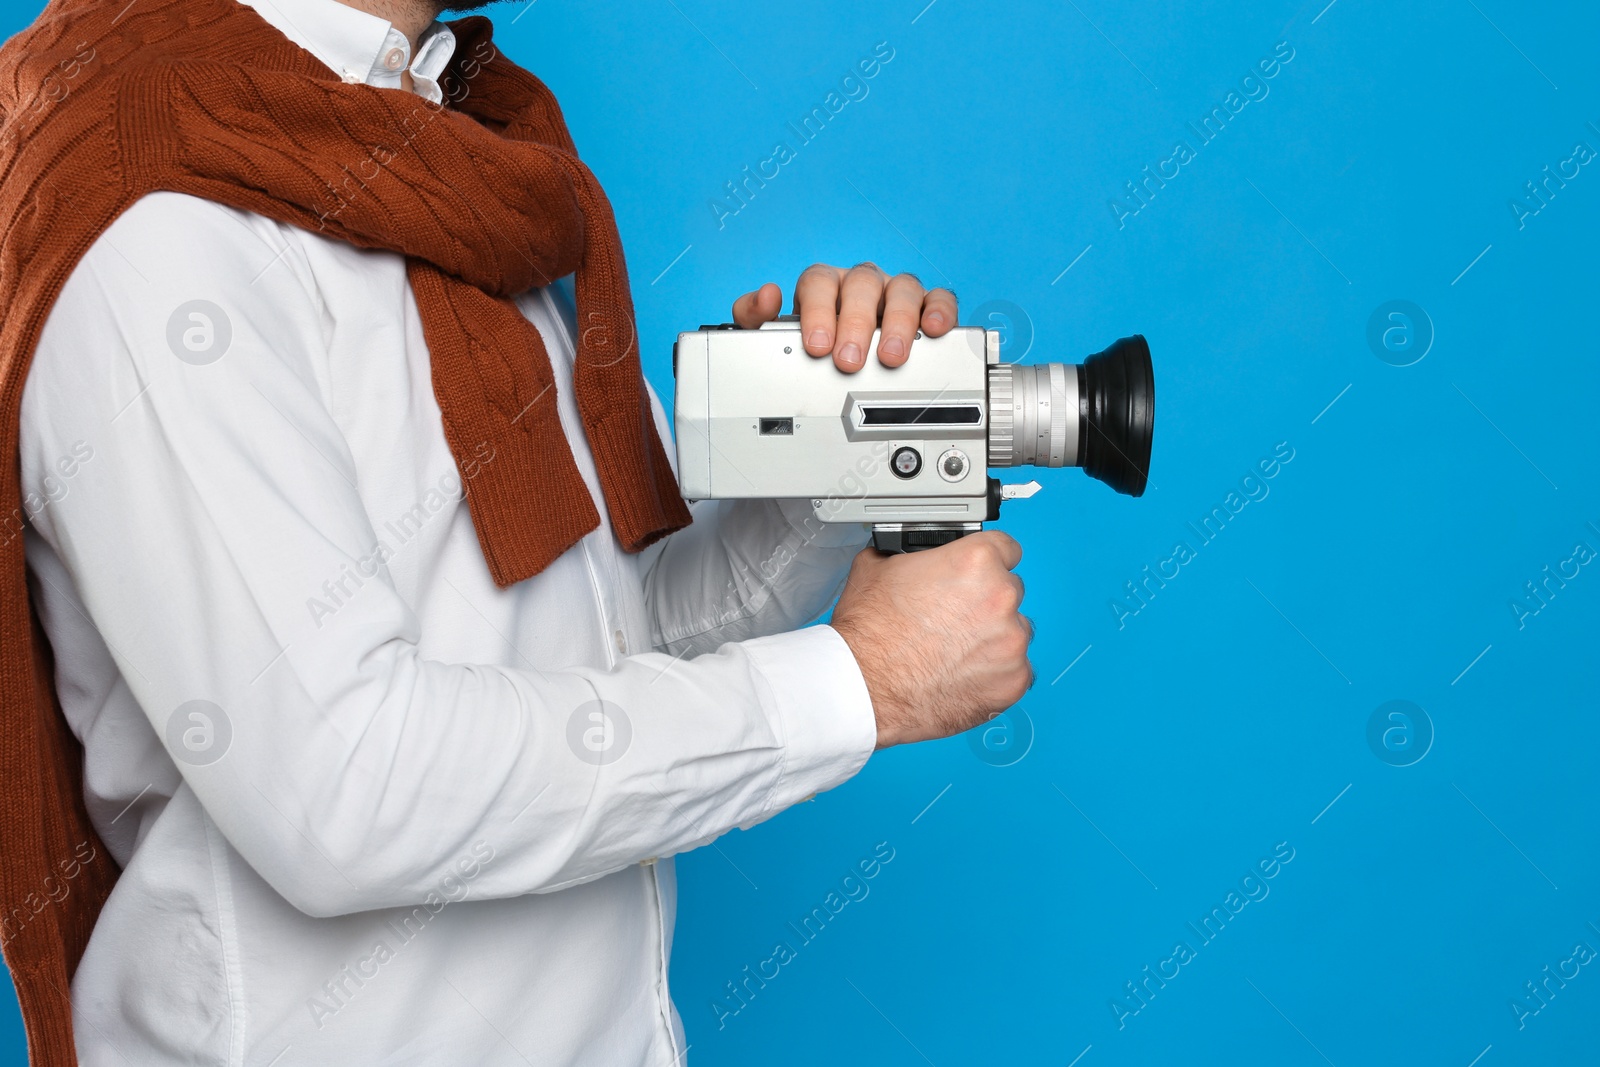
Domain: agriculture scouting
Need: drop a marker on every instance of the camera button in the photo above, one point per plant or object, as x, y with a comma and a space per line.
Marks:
906, 462
953, 465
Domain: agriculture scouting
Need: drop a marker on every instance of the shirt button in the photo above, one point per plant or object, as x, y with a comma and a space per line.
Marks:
394, 58
622, 643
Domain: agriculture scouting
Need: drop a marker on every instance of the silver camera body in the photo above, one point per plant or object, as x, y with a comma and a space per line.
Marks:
904, 449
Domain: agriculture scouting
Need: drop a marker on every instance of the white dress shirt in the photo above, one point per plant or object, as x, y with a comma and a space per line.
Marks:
371, 809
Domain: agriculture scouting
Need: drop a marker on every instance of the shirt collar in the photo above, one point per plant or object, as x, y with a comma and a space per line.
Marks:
360, 47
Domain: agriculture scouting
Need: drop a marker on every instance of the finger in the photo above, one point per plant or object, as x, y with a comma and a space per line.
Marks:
939, 313
902, 310
1016, 583
763, 305
816, 299
1004, 545
860, 303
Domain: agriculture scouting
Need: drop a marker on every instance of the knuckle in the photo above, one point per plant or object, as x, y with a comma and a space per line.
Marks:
854, 324
866, 277
999, 593
971, 555
1018, 687
900, 316
908, 285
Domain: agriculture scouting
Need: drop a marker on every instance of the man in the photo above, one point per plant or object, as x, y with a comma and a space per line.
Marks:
390, 770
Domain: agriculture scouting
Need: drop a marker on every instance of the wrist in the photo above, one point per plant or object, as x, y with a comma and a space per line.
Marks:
887, 710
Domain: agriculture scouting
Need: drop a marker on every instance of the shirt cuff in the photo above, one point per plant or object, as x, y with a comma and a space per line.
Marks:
816, 693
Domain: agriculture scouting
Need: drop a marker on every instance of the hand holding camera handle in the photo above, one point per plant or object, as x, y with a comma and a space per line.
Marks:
938, 635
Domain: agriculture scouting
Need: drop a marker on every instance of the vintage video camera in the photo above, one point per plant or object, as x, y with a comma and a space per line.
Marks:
906, 449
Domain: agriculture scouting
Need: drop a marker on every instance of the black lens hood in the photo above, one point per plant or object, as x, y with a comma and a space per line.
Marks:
1116, 415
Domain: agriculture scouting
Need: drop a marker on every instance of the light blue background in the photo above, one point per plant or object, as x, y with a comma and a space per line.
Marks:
1227, 714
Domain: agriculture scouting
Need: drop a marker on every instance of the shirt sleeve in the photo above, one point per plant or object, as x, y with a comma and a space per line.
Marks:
744, 568
354, 771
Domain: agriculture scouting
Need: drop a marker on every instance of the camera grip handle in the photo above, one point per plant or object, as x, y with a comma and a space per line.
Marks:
896, 537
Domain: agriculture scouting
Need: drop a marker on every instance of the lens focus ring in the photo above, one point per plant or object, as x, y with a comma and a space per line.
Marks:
1002, 417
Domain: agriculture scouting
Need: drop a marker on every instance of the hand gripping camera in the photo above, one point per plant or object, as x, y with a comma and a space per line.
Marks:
907, 449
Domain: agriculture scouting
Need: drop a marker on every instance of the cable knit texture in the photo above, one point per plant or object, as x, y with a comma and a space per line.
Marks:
104, 102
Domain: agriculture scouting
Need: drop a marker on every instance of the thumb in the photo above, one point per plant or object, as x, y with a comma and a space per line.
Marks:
868, 561
754, 308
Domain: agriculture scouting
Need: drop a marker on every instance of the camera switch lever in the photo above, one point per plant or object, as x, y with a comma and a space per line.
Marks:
1020, 491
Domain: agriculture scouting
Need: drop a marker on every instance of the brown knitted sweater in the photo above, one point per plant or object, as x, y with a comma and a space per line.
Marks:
104, 102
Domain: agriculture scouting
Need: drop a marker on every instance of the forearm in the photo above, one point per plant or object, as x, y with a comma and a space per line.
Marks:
367, 801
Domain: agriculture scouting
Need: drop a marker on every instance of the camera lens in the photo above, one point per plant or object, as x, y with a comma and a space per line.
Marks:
1033, 415
1098, 415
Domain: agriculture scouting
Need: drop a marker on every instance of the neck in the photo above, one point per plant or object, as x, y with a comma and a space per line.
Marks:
410, 17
